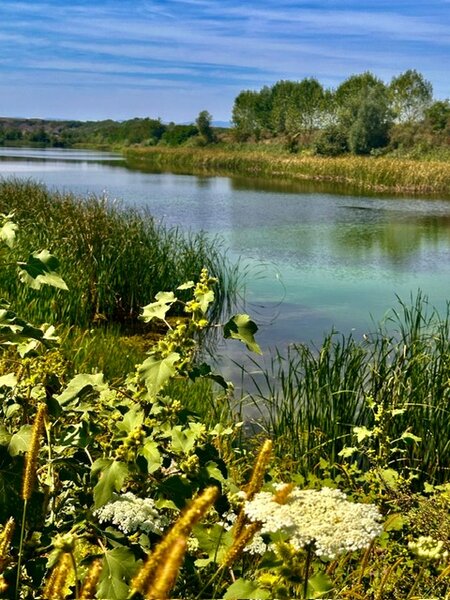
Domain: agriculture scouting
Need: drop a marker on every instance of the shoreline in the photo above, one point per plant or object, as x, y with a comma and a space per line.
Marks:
369, 174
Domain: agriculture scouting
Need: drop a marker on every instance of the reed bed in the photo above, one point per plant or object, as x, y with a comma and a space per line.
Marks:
309, 400
377, 174
113, 259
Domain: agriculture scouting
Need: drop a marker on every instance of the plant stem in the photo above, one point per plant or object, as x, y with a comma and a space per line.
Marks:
307, 567
22, 535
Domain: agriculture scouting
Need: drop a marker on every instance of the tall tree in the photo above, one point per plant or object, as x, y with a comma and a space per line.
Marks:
370, 129
410, 95
204, 126
353, 92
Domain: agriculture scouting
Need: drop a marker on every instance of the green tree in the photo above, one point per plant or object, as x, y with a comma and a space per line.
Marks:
204, 127
370, 129
437, 115
352, 93
245, 115
283, 106
410, 95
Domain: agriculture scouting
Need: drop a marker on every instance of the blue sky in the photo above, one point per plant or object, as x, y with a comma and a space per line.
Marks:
88, 59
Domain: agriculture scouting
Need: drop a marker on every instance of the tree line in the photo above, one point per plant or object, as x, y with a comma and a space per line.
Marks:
142, 131
363, 114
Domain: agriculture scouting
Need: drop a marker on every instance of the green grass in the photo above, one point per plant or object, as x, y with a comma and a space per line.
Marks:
310, 399
113, 259
378, 174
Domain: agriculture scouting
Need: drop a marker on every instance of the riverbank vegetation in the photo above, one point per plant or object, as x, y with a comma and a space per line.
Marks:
117, 491
381, 174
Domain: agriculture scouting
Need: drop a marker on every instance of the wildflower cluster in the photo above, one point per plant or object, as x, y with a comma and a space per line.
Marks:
130, 513
324, 518
427, 548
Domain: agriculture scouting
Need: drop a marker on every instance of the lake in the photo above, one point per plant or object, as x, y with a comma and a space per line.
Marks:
312, 260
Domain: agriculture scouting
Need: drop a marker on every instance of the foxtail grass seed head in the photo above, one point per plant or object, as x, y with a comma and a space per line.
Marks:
255, 483
29, 474
54, 590
259, 470
5, 542
240, 543
181, 529
91, 580
3, 585
166, 575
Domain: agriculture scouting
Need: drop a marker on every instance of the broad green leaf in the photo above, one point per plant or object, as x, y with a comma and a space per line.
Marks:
362, 433
13, 329
186, 286
8, 232
132, 419
112, 476
158, 309
9, 380
318, 585
214, 540
41, 269
80, 385
152, 455
5, 436
20, 441
407, 435
183, 440
241, 327
204, 370
242, 589
347, 452
156, 372
394, 522
119, 566
204, 300
213, 471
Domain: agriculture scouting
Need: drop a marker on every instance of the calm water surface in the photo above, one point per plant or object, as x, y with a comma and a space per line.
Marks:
313, 260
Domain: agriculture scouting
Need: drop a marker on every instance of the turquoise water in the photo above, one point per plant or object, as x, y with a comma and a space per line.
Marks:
312, 260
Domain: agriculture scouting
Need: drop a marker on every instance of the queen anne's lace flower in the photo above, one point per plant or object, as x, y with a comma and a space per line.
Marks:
325, 518
130, 513
428, 548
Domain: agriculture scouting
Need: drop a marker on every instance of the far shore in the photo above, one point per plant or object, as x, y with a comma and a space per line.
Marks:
359, 173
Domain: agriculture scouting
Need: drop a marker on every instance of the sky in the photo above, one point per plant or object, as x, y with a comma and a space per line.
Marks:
119, 59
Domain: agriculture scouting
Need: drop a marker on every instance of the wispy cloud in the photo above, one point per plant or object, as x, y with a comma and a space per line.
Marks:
215, 48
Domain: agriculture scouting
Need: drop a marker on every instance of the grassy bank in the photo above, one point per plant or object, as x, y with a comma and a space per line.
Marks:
113, 259
380, 174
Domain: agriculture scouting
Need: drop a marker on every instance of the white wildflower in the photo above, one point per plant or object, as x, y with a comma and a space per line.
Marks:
325, 518
130, 513
428, 548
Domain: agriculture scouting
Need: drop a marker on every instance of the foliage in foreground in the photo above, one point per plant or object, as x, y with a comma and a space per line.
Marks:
120, 492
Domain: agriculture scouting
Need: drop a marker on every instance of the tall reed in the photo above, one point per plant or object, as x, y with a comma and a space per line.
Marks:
357, 172
310, 399
113, 259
